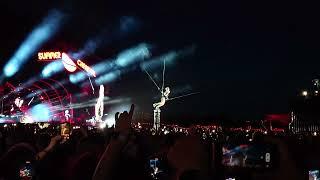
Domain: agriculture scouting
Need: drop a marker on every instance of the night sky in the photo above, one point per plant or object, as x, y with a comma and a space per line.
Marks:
249, 57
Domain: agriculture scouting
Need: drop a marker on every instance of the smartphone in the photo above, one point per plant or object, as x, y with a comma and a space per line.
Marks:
26, 172
248, 155
314, 175
157, 168
154, 165
65, 130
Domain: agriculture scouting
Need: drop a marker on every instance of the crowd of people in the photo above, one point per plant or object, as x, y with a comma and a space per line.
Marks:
29, 151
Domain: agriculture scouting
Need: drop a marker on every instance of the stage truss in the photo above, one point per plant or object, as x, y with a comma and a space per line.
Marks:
44, 91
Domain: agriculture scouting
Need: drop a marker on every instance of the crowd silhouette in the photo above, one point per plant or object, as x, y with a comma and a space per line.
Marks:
120, 152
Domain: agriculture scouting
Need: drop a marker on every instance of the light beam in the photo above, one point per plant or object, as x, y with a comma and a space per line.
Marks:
42, 33
126, 26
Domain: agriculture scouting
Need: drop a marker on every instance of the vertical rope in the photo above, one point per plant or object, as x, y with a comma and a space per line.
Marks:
163, 72
152, 79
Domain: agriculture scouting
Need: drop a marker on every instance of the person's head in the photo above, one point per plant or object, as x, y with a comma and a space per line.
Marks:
192, 148
167, 89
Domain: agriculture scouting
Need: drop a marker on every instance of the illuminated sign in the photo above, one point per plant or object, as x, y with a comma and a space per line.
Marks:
68, 63
48, 56
86, 68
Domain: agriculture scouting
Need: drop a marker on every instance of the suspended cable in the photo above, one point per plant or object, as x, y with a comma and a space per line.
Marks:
91, 84
183, 96
152, 80
163, 73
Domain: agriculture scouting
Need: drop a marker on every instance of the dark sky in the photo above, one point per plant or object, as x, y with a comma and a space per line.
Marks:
250, 57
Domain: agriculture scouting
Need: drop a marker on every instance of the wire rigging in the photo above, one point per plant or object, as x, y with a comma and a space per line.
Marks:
163, 73
163, 76
152, 79
189, 94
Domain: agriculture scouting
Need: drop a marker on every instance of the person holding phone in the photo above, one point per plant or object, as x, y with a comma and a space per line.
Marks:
65, 131
286, 169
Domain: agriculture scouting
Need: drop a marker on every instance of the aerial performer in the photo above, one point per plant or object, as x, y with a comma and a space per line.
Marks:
100, 105
164, 98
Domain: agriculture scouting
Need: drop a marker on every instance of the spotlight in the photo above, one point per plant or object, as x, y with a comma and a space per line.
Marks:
40, 113
304, 93
78, 77
107, 78
133, 55
102, 125
314, 133
32, 43
52, 68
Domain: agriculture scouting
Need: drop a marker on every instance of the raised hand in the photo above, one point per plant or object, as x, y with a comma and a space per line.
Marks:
123, 121
54, 141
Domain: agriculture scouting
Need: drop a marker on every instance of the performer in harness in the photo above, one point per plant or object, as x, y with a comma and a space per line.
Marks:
164, 98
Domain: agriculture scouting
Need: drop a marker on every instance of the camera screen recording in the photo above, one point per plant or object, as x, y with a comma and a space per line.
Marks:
26, 170
314, 175
154, 164
158, 169
247, 155
65, 130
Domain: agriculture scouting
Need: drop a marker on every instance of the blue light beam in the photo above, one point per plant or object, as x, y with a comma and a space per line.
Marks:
42, 33
40, 113
111, 68
99, 68
170, 58
52, 68
109, 77
133, 55
126, 26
